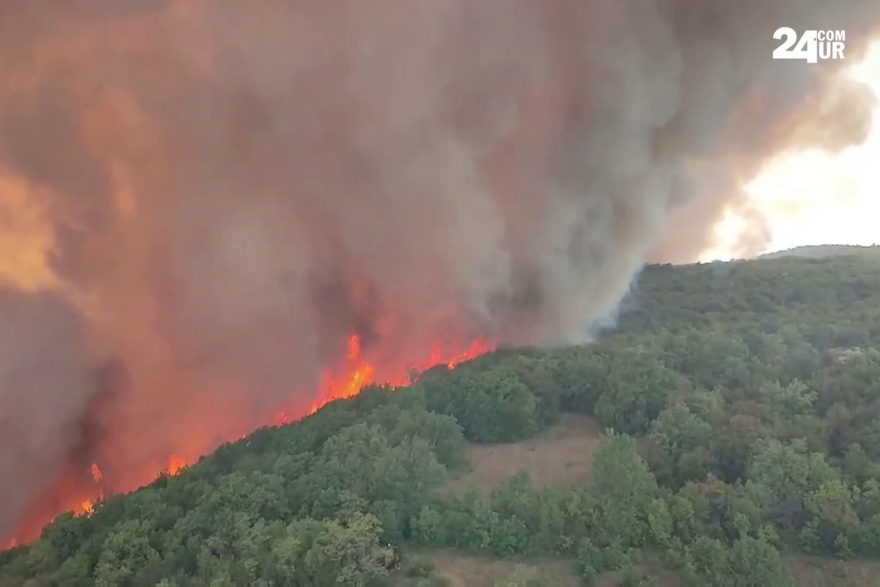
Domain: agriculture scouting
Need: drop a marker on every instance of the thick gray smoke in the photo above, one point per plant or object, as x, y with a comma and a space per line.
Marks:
224, 191
41, 363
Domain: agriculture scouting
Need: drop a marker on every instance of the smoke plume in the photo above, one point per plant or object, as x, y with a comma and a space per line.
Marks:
214, 194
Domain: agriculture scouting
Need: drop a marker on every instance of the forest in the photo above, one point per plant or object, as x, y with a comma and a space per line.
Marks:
738, 405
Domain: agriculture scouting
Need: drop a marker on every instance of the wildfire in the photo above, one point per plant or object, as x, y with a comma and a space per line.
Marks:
345, 380
475, 350
111, 264
175, 464
357, 372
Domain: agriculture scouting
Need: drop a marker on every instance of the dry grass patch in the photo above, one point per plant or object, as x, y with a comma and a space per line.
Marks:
651, 567
469, 571
826, 572
559, 457
450, 568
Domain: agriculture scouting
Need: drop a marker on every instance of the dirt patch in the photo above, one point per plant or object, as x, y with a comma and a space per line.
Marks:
559, 457
450, 568
825, 572
469, 571
657, 574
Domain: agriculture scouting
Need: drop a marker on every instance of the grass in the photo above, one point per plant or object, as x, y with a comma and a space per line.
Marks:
453, 569
560, 457
823, 572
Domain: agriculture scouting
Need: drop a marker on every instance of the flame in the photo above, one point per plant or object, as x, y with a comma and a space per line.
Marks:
472, 352
356, 372
345, 380
175, 465
135, 152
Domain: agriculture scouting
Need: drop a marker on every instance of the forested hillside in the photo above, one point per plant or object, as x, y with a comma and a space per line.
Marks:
824, 251
741, 409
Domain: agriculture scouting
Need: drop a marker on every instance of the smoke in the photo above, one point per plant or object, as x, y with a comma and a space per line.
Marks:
39, 363
215, 195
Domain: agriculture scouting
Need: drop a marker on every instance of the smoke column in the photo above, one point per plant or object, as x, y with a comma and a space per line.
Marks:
205, 198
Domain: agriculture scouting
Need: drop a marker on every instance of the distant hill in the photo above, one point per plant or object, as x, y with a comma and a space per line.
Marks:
824, 251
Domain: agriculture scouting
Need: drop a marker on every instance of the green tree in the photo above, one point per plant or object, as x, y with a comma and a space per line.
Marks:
636, 392
624, 489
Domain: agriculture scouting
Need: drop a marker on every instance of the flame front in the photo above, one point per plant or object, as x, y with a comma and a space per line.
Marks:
175, 465
356, 372
346, 380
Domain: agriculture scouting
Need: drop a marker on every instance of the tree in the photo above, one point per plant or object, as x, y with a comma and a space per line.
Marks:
491, 406
125, 552
636, 392
678, 430
349, 555
624, 489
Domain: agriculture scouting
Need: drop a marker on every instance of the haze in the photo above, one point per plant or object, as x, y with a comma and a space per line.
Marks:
815, 197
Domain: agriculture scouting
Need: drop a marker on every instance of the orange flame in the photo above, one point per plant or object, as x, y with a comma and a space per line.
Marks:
357, 372
475, 350
175, 465
342, 382
118, 132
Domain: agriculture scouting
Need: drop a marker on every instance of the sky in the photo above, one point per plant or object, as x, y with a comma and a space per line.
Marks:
813, 197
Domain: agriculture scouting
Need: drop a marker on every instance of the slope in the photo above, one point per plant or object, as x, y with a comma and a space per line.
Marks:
824, 251
737, 451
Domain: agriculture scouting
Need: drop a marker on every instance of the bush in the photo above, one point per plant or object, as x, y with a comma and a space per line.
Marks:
421, 567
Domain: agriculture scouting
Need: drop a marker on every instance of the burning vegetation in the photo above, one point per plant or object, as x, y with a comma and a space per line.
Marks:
351, 374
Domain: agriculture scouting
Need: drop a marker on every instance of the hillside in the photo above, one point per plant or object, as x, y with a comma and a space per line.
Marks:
715, 438
824, 251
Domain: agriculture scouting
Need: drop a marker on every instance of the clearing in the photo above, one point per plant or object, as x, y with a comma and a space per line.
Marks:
824, 572
454, 569
559, 457
460, 570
